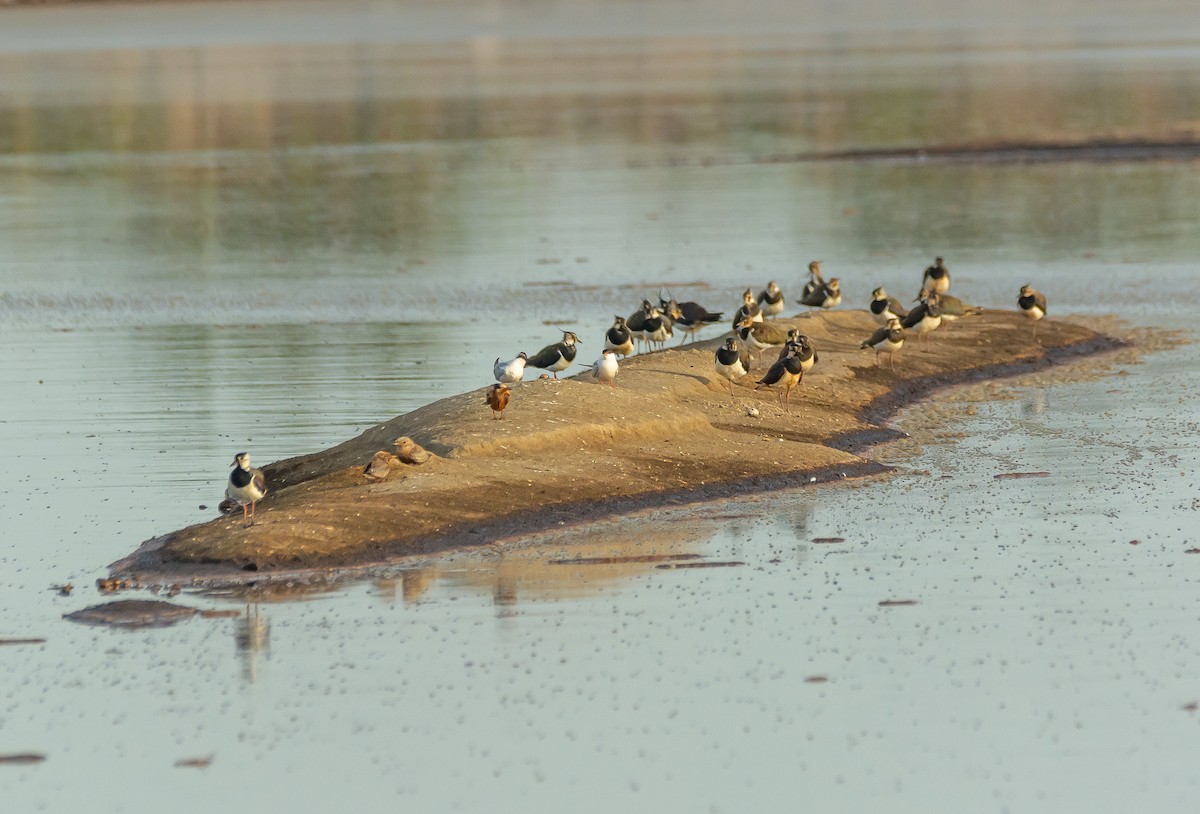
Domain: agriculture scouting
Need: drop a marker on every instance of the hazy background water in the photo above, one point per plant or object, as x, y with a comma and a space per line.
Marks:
268, 226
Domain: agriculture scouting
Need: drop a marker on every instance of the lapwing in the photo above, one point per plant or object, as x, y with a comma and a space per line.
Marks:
657, 329
815, 280
770, 300
512, 371
826, 295
759, 336
605, 369
925, 317
689, 317
497, 397
802, 346
749, 309
556, 357
732, 362
619, 338
884, 308
936, 279
952, 307
782, 377
1033, 305
246, 486
636, 322
887, 339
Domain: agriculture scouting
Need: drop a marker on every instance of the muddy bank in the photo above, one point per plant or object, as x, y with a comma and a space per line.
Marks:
572, 451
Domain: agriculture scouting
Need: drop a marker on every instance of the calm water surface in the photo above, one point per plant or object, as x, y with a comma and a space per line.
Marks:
271, 228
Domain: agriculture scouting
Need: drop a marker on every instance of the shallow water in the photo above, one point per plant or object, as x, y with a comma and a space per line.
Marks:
207, 246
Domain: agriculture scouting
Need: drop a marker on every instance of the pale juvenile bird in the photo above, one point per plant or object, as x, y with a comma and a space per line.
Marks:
759, 336
380, 465
497, 397
246, 486
604, 369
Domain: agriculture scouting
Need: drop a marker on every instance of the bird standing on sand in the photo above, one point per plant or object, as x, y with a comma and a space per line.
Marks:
926, 317
936, 279
605, 369
689, 316
770, 300
749, 308
619, 338
887, 339
884, 308
782, 377
826, 295
802, 347
511, 371
246, 486
636, 322
556, 357
380, 465
657, 329
732, 362
497, 397
1033, 305
759, 336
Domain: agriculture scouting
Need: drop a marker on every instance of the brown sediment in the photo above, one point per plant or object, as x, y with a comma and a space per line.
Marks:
571, 451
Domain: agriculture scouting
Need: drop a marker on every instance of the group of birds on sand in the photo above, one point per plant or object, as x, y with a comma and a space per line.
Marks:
656, 324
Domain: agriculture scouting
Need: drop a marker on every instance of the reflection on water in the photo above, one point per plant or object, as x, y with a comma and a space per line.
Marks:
206, 247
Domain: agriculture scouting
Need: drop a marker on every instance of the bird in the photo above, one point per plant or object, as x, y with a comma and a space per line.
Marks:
782, 376
657, 329
826, 295
926, 317
246, 486
605, 369
558, 356
802, 346
732, 362
497, 397
936, 279
749, 308
380, 465
619, 338
815, 280
511, 371
888, 339
759, 336
883, 308
952, 308
770, 300
1033, 305
636, 322
689, 316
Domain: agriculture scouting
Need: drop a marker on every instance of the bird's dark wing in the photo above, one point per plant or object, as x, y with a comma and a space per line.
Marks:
546, 357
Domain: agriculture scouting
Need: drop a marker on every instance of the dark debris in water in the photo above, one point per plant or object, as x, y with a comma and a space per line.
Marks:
816, 680
896, 603
132, 613
829, 539
728, 564
26, 759
7, 642
194, 762
1014, 475
618, 560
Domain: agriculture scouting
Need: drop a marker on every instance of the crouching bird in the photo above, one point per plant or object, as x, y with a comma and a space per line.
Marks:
246, 486
497, 397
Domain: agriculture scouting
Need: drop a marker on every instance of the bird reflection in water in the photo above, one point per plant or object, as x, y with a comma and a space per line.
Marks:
1033, 403
252, 636
504, 595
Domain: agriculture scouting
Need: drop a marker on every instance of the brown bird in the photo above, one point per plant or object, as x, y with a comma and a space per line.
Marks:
497, 398
380, 466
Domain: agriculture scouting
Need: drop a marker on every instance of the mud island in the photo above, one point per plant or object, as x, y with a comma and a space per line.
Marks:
573, 450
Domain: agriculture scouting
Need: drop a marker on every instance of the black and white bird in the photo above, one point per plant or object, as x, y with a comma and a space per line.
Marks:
636, 322
749, 309
246, 486
802, 346
604, 369
658, 328
952, 307
512, 371
936, 279
732, 362
826, 295
689, 317
619, 338
925, 317
888, 339
758, 336
782, 377
885, 308
770, 300
1033, 305
556, 357
815, 280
